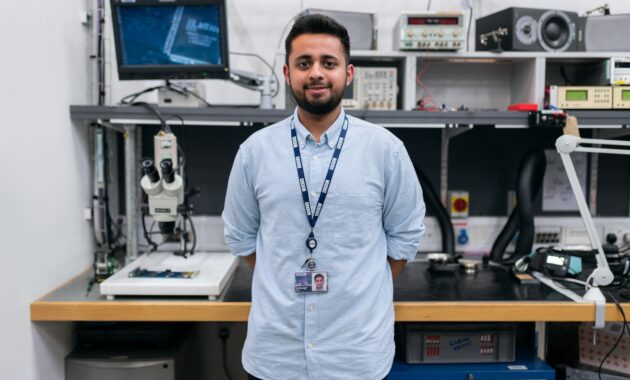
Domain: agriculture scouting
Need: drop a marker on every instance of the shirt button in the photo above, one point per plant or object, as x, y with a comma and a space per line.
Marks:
310, 345
314, 193
315, 157
311, 307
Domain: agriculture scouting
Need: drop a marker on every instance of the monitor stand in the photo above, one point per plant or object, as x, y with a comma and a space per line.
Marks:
182, 94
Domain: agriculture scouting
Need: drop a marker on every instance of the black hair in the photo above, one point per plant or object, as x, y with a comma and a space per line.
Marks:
318, 24
319, 275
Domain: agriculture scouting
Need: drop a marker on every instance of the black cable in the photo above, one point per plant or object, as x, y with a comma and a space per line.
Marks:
531, 171
432, 200
192, 228
184, 236
100, 53
127, 100
182, 161
131, 98
624, 327
151, 243
563, 72
156, 112
184, 91
275, 77
223, 335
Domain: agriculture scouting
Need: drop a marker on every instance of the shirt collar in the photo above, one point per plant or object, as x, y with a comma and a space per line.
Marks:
329, 137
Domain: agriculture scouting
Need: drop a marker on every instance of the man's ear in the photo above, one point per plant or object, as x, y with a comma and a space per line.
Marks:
349, 74
285, 70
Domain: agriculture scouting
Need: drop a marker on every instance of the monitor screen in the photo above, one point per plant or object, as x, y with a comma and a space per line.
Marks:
178, 39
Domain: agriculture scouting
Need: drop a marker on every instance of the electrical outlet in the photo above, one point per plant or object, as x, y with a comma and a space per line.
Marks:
575, 236
548, 235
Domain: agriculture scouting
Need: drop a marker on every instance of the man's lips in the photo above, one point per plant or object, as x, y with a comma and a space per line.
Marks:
318, 89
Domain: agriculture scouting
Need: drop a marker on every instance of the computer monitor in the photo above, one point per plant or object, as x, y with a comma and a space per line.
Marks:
173, 39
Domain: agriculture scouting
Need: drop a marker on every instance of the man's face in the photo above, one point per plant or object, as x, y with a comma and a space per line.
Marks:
319, 282
317, 72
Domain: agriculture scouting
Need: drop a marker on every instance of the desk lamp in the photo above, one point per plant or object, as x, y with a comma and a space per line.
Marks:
566, 144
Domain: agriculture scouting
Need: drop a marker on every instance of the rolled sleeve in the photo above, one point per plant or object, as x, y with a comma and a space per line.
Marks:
403, 208
241, 214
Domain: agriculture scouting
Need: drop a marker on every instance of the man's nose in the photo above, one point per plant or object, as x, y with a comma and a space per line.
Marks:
316, 71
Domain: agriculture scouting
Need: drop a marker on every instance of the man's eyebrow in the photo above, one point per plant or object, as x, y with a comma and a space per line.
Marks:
308, 56
303, 56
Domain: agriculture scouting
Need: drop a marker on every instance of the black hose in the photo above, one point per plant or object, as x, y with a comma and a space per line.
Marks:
531, 172
444, 221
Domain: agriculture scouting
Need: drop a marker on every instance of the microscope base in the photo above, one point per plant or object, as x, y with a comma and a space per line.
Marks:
215, 272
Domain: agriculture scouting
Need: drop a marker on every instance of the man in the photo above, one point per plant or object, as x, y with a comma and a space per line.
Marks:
372, 222
319, 282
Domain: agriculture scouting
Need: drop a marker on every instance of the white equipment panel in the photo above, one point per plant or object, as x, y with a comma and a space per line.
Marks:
373, 88
215, 271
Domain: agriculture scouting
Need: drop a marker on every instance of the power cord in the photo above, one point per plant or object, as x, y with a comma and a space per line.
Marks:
151, 108
152, 245
131, 98
624, 328
224, 334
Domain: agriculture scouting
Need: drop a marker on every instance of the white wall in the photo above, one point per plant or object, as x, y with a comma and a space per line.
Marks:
45, 159
46, 170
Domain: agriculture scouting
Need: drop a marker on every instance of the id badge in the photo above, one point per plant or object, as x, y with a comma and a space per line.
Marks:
311, 282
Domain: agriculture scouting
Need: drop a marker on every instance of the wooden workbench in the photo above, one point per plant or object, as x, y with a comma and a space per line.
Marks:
489, 295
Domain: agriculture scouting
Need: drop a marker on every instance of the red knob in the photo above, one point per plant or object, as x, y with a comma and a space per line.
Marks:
460, 205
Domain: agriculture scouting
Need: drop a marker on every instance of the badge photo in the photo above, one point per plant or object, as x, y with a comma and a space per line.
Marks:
311, 282
320, 282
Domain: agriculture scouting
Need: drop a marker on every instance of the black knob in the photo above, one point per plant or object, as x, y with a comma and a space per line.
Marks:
150, 171
167, 170
611, 238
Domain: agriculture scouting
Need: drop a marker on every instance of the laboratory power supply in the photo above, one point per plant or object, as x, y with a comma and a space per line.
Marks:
589, 97
430, 31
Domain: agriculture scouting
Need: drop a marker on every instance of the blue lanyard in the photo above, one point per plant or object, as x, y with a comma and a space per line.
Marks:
312, 217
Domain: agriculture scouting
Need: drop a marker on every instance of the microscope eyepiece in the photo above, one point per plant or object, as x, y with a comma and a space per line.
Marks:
167, 170
150, 171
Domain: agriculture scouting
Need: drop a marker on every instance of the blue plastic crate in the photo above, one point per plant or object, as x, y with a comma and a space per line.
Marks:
521, 369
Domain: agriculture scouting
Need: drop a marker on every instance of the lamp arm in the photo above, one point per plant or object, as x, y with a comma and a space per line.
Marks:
566, 144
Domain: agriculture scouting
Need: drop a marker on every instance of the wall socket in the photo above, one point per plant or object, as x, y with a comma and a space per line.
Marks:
482, 232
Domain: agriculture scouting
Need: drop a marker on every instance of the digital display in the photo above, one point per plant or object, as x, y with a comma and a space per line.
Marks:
625, 95
167, 35
555, 260
182, 39
432, 20
576, 95
623, 65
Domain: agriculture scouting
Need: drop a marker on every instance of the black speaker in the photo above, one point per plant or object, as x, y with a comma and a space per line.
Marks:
527, 29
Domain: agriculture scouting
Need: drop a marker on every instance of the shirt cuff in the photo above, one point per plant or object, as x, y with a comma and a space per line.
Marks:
242, 248
402, 251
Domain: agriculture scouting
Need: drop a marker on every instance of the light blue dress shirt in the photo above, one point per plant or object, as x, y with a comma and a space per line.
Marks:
374, 209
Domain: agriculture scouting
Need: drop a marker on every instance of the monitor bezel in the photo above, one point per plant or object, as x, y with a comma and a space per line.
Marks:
167, 72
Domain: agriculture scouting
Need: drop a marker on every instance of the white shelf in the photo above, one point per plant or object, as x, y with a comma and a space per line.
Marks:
482, 79
487, 54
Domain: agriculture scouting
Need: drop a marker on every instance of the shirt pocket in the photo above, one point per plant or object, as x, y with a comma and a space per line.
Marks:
357, 218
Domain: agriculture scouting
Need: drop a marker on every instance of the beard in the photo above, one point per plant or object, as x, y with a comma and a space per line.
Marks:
317, 106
